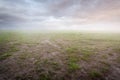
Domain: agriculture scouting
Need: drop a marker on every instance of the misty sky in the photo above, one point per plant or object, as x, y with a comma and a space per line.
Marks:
60, 14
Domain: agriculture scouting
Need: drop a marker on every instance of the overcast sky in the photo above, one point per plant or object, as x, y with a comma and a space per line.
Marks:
60, 14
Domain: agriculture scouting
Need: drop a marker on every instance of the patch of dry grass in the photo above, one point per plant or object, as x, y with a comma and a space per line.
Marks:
58, 56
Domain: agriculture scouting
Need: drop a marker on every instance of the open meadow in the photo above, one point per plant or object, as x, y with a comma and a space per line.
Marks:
59, 56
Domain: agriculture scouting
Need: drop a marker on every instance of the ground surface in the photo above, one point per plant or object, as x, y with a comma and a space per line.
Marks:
59, 56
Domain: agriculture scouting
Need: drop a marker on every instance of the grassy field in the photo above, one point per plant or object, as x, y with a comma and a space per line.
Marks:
59, 56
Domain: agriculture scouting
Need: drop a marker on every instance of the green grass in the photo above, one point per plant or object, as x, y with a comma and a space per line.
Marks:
5, 56
73, 58
45, 77
105, 69
94, 74
71, 50
73, 66
73, 63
